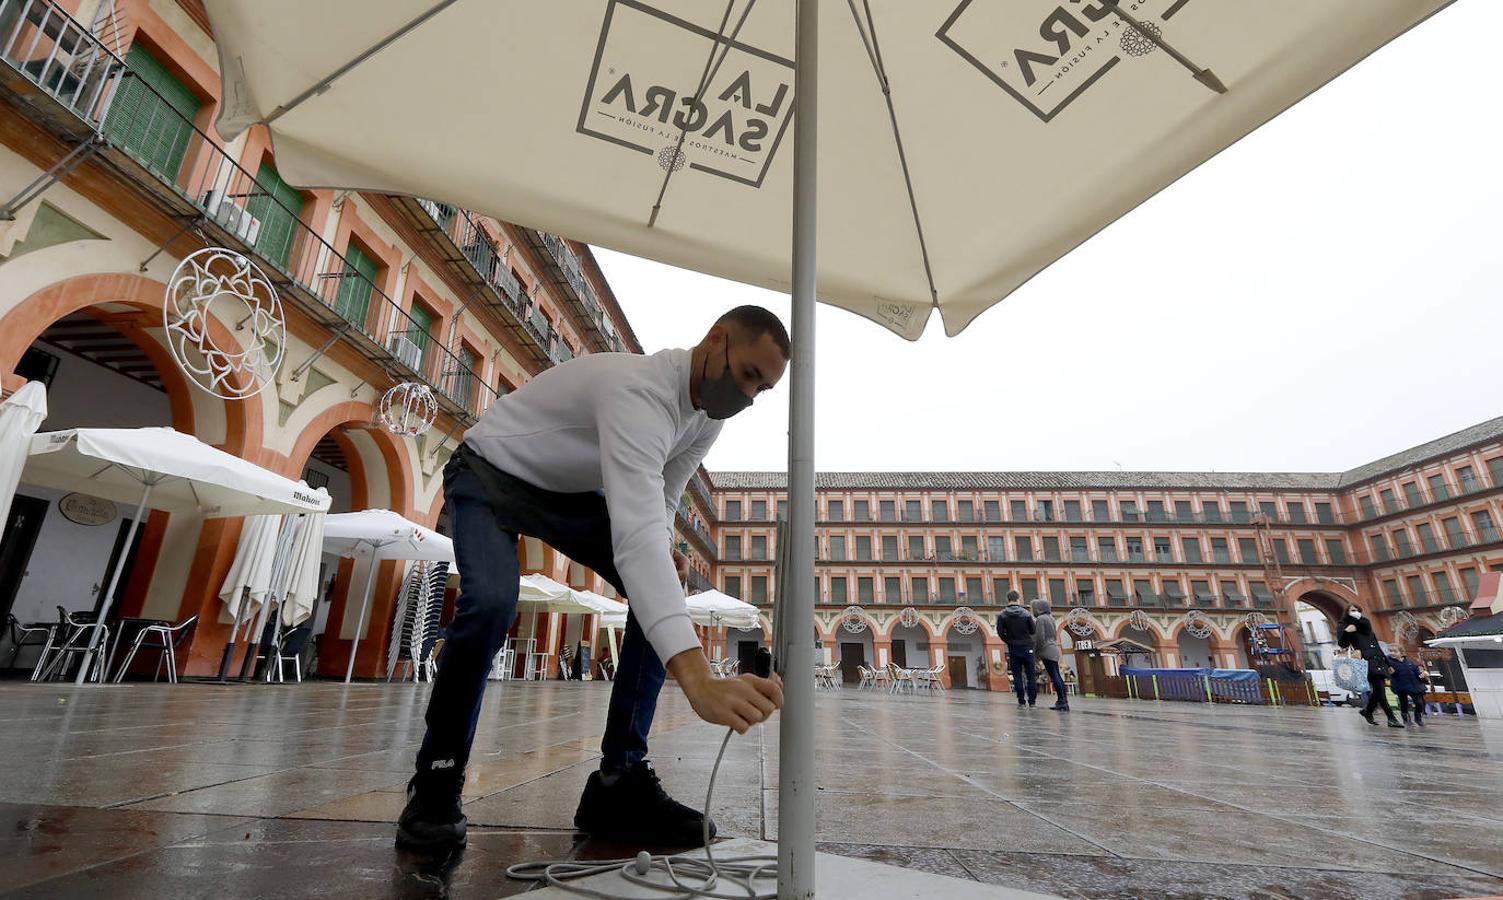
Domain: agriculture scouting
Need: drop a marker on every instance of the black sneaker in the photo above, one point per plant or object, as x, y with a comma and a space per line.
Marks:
1369, 717
432, 819
1394, 723
636, 809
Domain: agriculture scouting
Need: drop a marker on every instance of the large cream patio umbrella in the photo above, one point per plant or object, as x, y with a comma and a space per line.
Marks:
160, 468
965, 146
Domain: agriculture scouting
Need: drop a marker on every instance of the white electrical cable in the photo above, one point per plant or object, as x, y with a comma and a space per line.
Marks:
703, 876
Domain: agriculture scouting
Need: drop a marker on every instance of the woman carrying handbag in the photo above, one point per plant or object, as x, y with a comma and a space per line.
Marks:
1355, 632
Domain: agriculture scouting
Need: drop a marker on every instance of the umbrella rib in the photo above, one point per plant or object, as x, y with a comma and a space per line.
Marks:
324, 83
868, 34
712, 66
1203, 75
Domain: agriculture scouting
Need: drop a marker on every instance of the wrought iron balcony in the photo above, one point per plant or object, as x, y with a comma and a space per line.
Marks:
566, 271
474, 258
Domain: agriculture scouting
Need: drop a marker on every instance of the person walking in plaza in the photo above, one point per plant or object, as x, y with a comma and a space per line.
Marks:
1408, 681
1046, 647
591, 457
1355, 632
1016, 628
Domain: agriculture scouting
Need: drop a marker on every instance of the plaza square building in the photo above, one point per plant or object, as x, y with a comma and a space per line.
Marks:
914, 566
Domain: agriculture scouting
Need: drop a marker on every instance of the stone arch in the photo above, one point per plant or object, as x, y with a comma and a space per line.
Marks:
367, 451
24, 323
181, 562
987, 629
1191, 650
923, 624
1154, 628
1326, 595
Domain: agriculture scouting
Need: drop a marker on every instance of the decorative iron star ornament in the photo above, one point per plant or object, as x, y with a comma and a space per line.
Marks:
216, 286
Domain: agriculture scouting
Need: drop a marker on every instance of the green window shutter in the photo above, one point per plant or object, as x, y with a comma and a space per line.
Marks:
276, 206
151, 116
421, 328
353, 301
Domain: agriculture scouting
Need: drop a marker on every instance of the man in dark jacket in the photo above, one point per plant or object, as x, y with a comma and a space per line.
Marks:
1408, 682
1015, 628
1354, 631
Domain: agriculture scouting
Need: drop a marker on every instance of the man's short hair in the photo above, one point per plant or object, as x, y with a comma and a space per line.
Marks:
753, 321
1013, 596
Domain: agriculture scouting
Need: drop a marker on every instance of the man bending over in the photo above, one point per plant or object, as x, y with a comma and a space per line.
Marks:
591, 457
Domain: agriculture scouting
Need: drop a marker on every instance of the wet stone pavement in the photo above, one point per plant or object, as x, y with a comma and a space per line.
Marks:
254, 791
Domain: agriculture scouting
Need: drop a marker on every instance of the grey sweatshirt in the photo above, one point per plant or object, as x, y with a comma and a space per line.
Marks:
1045, 642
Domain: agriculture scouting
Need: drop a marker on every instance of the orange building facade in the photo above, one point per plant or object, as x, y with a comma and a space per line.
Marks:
913, 566
111, 172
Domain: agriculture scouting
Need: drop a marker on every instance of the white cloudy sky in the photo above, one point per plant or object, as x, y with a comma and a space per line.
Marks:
1333, 296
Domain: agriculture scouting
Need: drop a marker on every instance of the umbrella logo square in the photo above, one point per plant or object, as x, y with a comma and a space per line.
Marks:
1045, 53
647, 73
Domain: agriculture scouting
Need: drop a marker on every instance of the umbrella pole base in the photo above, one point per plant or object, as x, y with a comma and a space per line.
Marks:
836, 878
224, 664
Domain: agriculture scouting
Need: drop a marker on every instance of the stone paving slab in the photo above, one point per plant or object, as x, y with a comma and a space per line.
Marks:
249, 791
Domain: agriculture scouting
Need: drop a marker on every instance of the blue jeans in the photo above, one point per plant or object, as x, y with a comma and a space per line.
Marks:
488, 511
1020, 669
1061, 693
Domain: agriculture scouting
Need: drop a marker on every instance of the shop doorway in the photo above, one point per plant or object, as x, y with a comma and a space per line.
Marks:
852, 655
16, 543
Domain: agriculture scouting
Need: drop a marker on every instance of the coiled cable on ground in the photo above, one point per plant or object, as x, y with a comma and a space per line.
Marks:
729, 878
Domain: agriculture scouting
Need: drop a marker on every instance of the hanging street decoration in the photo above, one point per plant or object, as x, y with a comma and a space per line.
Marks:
1254, 619
1140, 621
1079, 622
408, 409
1451, 615
852, 620
1198, 625
966, 621
909, 617
219, 290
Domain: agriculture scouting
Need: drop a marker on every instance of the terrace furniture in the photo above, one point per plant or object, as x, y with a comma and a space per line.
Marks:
35, 634
78, 629
163, 637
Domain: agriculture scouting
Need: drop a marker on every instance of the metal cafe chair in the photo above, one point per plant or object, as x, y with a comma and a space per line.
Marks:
79, 628
37, 633
166, 638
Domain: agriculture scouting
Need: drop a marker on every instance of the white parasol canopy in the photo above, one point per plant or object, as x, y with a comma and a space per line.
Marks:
714, 608
249, 578
544, 594
20, 416
160, 468
374, 535
966, 146
184, 474
301, 587
999, 151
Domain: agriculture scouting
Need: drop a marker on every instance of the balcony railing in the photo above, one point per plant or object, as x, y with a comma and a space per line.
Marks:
206, 187
580, 293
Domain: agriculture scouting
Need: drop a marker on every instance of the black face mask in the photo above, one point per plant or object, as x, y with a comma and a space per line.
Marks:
722, 397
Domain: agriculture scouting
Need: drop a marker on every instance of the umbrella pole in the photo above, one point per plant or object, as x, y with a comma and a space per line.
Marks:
229, 648
109, 592
370, 578
796, 656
